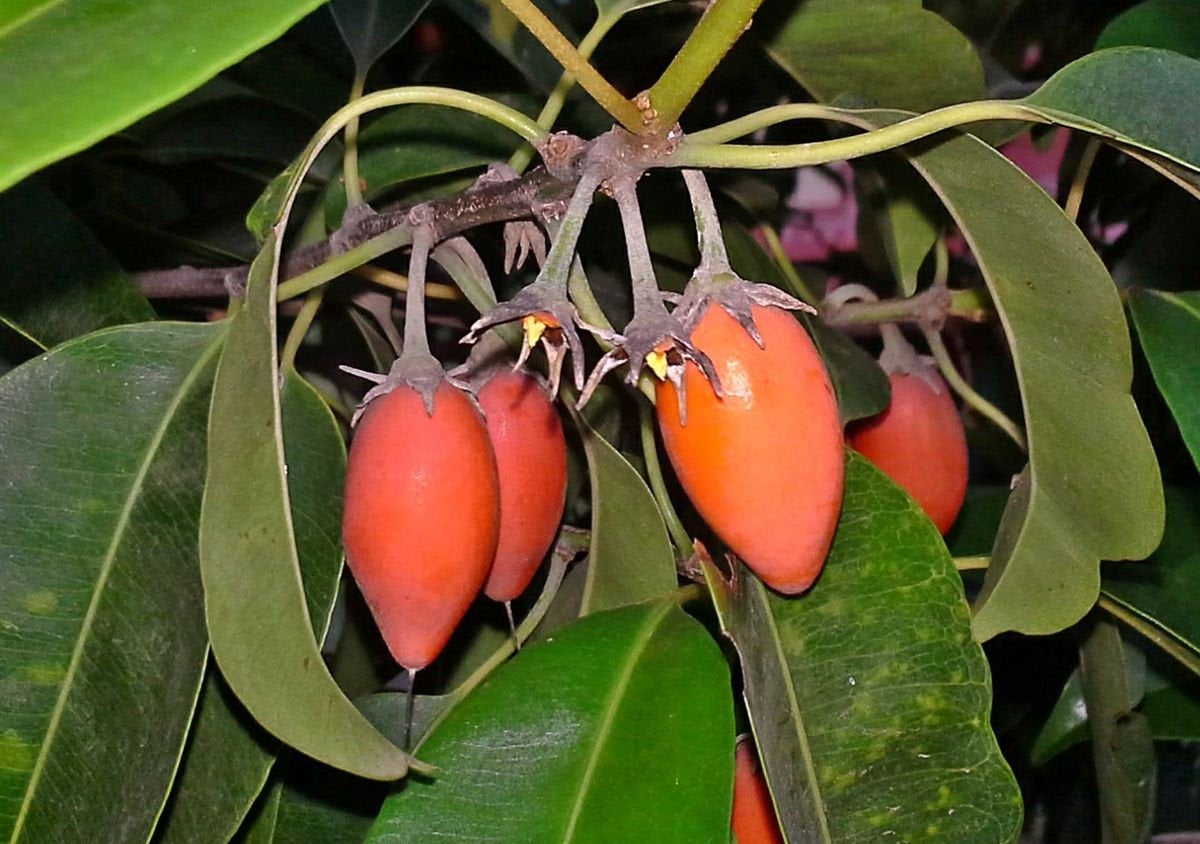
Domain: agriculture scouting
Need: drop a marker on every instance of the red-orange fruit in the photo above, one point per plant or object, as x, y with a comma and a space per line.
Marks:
764, 465
919, 442
753, 813
421, 517
531, 456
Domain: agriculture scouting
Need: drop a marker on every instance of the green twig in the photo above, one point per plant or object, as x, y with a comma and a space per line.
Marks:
573, 62
707, 149
354, 196
1079, 182
304, 320
345, 262
658, 485
722, 24
1152, 632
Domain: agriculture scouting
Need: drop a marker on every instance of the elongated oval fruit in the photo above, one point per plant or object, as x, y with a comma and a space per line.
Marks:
753, 819
919, 442
765, 464
531, 456
422, 516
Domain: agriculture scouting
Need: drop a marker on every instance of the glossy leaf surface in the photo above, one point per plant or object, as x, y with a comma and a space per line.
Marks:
275, 670
62, 94
56, 280
631, 558
868, 691
228, 755
617, 728
1168, 327
101, 621
853, 51
1169, 24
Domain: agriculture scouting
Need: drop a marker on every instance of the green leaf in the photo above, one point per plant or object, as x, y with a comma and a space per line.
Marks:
614, 10
101, 627
56, 280
1169, 24
619, 728
631, 559
904, 212
1105, 93
228, 755
869, 692
509, 37
62, 93
417, 141
372, 27
1168, 326
261, 826
877, 53
1122, 745
1162, 590
275, 669
1092, 489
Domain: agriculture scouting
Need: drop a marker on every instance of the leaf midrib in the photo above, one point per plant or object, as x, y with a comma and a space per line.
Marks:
105, 571
32, 14
610, 710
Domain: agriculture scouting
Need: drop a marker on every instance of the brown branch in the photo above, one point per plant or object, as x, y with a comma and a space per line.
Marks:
525, 197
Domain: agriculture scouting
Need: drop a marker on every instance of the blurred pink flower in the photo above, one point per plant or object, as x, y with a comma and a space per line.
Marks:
1042, 162
824, 213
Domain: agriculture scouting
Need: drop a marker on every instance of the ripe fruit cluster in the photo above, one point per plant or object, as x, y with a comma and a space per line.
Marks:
438, 503
764, 464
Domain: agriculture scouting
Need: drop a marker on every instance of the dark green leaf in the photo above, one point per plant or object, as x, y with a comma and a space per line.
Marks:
416, 141
618, 728
631, 558
56, 280
868, 692
1169, 24
372, 27
228, 755
260, 827
1162, 590
101, 627
1122, 745
500, 28
614, 10
905, 213
1092, 491
275, 669
1105, 93
75, 72
237, 129
1168, 326
878, 53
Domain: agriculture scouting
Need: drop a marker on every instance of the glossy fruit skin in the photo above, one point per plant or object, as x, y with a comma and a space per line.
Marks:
753, 819
421, 517
531, 456
764, 465
919, 442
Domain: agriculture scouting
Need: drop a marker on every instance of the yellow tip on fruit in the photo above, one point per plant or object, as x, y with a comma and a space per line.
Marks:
534, 328
657, 361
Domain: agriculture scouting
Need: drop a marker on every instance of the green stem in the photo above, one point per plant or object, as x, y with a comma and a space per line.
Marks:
1152, 632
706, 149
345, 262
973, 399
354, 196
930, 305
1079, 182
573, 61
304, 321
972, 563
797, 286
658, 485
722, 24
558, 97
416, 338
510, 118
